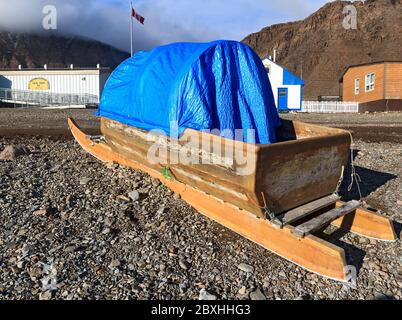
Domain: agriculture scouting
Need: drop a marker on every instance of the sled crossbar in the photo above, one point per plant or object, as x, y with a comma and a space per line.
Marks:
325, 219
301, 212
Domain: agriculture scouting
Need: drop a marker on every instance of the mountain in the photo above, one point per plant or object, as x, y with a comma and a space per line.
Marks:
321, 47
33, 51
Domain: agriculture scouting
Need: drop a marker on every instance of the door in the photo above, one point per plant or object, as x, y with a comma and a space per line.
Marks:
282, 99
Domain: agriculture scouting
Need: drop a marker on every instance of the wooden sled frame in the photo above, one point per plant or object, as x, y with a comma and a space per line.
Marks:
309, 252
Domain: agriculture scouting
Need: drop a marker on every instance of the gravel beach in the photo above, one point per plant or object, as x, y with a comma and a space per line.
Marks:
72, 227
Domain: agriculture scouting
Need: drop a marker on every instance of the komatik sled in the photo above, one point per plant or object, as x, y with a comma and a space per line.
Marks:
276, 188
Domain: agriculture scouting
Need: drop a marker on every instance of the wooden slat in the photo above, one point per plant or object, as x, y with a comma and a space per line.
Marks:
305, 210
324, 219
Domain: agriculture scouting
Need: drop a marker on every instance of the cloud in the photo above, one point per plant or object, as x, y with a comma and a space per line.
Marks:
166, 20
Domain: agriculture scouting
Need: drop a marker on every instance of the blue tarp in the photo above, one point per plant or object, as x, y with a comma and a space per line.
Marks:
218, 85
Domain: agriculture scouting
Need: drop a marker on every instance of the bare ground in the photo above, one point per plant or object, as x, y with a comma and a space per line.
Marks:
98, 246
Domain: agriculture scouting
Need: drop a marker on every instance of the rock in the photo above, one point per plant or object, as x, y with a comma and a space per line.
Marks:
246, 268
124, 198
381, 296
162, 210
177, 196
399, 202
40, 213
47, 295
282, 274
12, 152
134, 195
156, 182
205, 295
242, 290
114, 264
184, 264
84, 181
257, 295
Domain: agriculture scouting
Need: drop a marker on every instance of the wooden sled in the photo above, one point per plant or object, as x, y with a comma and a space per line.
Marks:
289, 233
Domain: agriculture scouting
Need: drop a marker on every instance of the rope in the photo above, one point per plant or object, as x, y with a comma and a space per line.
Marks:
340, 181
166, 174
354, 175
268, 212
256, 203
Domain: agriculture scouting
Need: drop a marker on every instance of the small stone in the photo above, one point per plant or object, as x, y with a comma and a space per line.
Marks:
124, 198
246, 268
243, 290
257, 295
162, 210
205, 295
184, 264
40, 213
134, 195
84, 180
156, 182
47, 295
11, 153
106, 231
399, 202
114, 264
282, 274
112, 165
177, 196
381, 296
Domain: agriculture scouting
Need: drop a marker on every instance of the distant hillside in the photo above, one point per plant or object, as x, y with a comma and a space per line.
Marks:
32, 51
325, 48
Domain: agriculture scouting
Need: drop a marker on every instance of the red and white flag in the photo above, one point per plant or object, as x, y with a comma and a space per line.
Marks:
134, 14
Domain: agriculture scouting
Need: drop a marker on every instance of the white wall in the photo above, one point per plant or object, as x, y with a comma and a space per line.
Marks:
294, 98
276, 79
65, 82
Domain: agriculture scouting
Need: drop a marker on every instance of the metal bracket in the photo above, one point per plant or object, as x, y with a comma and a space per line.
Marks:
97, 139
270, 215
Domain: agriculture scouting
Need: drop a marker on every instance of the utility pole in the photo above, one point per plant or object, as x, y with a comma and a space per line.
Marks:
301, 70
131, 27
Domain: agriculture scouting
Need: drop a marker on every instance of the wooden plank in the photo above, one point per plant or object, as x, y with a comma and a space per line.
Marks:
305, 210
325, 218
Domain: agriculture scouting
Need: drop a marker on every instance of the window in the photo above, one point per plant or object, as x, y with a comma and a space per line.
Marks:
357, 86
370, 80
268, 68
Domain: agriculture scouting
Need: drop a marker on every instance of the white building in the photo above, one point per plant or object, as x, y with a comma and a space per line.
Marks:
287, 88
59, 83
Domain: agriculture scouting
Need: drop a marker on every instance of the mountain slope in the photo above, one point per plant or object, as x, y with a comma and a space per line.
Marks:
322, 48
33, 51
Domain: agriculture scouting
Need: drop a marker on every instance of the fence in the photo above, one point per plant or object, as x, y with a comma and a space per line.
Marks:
330, 107
39, 98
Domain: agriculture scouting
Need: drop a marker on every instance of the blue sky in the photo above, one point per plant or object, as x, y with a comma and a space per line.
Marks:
166, 20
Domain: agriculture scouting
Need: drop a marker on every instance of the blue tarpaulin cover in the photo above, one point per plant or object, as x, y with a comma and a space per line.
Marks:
218, 85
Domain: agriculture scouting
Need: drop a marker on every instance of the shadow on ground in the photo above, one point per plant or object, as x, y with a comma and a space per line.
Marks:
370, 181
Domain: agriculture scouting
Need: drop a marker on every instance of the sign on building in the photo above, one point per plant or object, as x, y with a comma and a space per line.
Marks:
39, 84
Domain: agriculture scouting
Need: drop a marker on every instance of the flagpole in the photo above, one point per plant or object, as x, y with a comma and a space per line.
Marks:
131, 27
